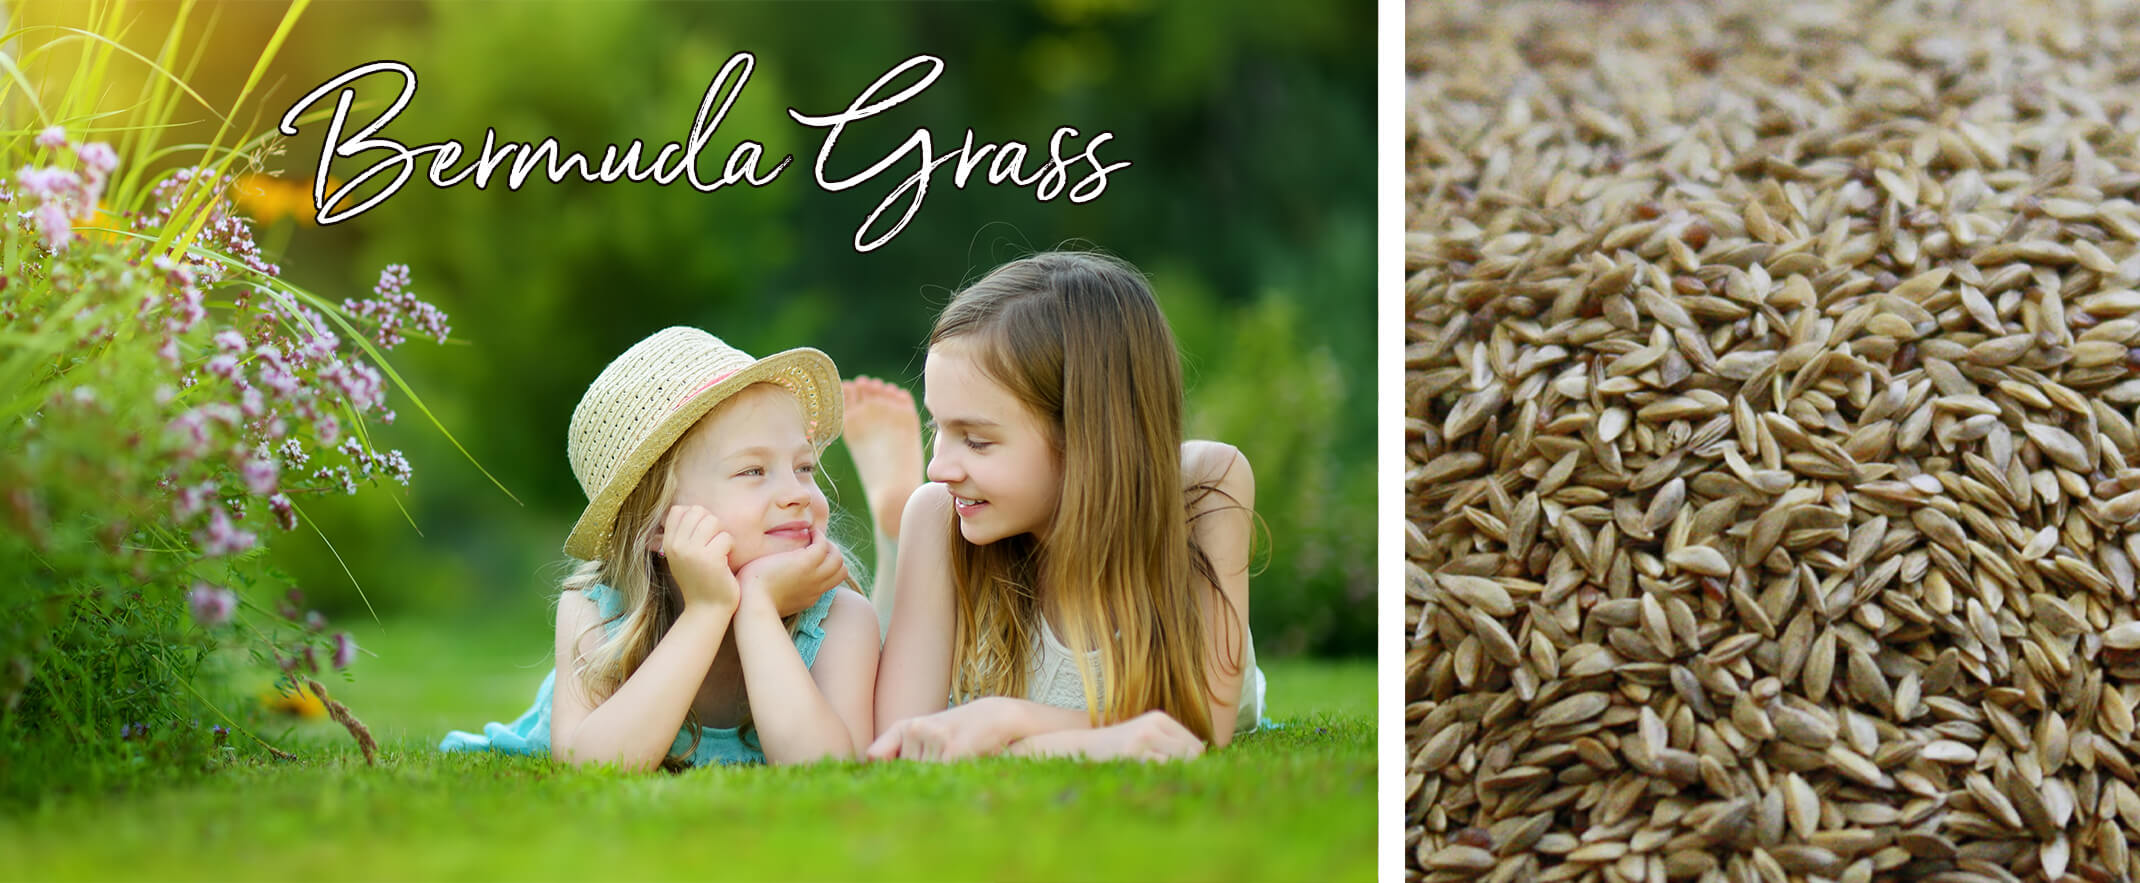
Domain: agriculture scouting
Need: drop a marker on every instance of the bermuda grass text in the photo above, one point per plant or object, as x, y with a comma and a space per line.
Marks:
1046, 172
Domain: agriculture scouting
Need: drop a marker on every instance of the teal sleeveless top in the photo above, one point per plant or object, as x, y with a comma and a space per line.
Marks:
530, 733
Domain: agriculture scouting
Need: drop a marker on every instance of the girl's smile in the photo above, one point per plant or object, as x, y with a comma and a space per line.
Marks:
751, 464
798, 532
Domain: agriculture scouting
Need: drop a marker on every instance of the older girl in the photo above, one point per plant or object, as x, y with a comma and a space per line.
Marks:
1074, 578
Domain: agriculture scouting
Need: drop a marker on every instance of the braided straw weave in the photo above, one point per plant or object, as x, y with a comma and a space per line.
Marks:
657, 390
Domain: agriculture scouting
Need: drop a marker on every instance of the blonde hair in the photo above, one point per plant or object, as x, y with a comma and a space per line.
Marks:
647, 592
1079, 340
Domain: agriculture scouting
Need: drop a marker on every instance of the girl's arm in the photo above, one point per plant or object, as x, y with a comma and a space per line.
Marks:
634, 727
984, 726
805, 713
1152, 735
1223, 524
914, 675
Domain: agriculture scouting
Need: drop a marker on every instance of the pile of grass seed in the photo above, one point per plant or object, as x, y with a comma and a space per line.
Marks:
1772, 484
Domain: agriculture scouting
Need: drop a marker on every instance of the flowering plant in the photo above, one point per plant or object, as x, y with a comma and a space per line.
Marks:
167, 405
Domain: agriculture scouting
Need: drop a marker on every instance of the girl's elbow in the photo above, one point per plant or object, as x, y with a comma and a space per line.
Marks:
582, 757
564, 749
827, 754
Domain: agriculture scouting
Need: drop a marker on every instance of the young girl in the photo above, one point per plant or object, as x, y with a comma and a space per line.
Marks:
711, 620
1075, 576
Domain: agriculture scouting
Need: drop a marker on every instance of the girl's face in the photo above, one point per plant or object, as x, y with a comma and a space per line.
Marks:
992, 452
751, 464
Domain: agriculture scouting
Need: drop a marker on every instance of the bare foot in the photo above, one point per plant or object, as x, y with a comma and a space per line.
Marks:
883, 435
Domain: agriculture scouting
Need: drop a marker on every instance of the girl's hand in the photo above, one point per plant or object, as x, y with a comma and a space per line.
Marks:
792, 581
1151, 736
697, 550
971, 730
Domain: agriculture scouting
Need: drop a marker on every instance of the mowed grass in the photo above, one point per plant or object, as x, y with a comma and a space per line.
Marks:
1291, 803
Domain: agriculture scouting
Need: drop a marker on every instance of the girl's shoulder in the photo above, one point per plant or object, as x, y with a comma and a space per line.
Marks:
927, 515
606, 602
846, 605
1206, 463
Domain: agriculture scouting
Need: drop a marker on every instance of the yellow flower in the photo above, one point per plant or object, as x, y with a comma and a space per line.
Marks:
267, 199
298, 701
100, 222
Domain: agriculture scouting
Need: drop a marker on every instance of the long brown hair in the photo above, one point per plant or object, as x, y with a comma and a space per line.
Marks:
1079, 340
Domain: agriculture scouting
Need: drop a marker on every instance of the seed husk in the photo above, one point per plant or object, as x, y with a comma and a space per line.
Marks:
1574, 709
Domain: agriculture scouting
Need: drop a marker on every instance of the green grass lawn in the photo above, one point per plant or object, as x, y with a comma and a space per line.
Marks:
1293, 803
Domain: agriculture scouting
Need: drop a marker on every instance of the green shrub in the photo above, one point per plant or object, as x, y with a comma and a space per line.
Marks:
168, 406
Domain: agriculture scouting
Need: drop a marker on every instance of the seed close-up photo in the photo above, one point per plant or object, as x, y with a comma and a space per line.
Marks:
1771, 480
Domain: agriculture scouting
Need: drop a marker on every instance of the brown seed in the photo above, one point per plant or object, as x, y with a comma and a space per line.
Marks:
1461, 858
1485, 594
1700, 559
1580, 707
1819, 671
2060, 445
1802, 727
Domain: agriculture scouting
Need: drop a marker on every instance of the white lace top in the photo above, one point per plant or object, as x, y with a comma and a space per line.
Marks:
1053, 679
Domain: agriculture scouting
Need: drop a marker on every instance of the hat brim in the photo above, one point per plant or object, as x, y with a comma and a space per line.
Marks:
805, 371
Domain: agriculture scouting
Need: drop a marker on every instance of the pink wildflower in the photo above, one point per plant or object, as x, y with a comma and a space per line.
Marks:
358, 382
260, 476
222, 412
191, 431
278, 379
192, 499
221, 537
293, 454
52, 138
345, 650
395, 466
98, 157
186, 310
285, 511
48, 185
397, 310
212, 605
339, 475
55, 225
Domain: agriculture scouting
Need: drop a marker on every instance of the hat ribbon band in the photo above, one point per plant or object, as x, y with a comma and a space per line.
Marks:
702, 388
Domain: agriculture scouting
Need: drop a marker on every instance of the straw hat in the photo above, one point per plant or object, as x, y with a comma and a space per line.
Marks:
646, 399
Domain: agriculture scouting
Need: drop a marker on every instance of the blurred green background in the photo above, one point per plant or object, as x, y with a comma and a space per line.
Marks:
1249, 202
